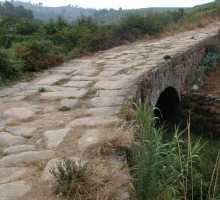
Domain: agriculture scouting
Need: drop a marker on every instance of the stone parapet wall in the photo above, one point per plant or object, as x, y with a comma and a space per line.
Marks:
204, 111
178, 72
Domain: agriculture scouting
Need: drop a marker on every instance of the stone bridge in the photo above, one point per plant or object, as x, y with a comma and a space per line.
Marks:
36, 131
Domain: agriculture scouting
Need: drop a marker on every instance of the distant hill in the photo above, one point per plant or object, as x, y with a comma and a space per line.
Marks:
205, 6
70, 12
102, 16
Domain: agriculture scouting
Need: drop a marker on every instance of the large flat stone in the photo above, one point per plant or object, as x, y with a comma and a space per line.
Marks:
112, 85
52, 79
93, 121
90, 137
14, 190
21, 131
103, 111
18, 113
83, 78
18, 149
10, 174
26, 93
54, 137
6, 140
85, 72
25, 157
113, 93
78, 84
8, 91
106, 101
70, 103
46, 175
64, 94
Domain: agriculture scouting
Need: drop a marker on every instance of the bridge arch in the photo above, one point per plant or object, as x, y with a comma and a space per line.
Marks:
169, 107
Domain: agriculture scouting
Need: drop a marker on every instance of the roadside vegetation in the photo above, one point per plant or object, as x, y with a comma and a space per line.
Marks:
33, 45
182, 167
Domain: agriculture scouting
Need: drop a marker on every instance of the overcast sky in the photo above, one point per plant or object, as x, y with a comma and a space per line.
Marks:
124, 4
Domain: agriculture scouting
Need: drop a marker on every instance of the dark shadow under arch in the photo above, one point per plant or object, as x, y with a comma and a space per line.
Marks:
169, 106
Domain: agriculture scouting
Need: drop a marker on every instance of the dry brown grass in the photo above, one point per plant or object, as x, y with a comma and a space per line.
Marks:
103, 180
120, 139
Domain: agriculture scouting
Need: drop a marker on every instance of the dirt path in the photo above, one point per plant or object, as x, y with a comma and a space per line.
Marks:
35, 134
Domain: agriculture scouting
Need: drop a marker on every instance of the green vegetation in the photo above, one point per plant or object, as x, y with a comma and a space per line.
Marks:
69, 176
64, 108
209, 61
33, 45
9, 10
172, 169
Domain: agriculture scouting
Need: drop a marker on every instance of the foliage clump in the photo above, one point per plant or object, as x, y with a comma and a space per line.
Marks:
169, 169
209, 61
69, 176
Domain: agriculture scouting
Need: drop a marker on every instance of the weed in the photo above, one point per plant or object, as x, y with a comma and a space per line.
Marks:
168, 170
64, 108
41, 89
120, 139
69, 176
96, 180
209, 63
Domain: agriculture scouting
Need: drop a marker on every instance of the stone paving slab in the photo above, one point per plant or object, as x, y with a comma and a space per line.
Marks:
113, 93
64, 94
54, 137
93, 121
13, 190
10, 174
18, 113
24, 131
7, 140
111, 85
106, 101
103, 111
78, 84
83, 78
53, 79
90, 137
70, 103
25, 157
18, 149
46, 175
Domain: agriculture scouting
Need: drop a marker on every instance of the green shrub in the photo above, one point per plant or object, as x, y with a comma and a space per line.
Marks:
39, 54
168, 170
10, 66
69, 176
209, 63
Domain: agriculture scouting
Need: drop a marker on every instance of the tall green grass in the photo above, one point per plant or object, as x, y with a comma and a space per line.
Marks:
168, 170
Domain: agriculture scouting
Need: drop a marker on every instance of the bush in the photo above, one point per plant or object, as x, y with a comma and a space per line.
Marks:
69, 176
209, 61
39, 54
10, 66
171, 169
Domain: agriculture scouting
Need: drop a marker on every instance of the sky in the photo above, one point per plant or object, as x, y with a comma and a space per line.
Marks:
124, 4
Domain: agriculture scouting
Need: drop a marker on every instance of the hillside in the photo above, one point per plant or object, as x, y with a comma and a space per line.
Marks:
72, 12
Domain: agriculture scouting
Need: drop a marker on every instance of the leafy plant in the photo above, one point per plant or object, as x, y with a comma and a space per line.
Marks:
41, 89
69, 175
164, 170
209, 63
10, 65
64, 108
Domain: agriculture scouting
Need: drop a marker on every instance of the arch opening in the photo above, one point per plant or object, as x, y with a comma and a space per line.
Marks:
169, 107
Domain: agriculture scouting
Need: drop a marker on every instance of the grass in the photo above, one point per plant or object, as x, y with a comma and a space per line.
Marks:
94, 180
110, 142
169, 169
